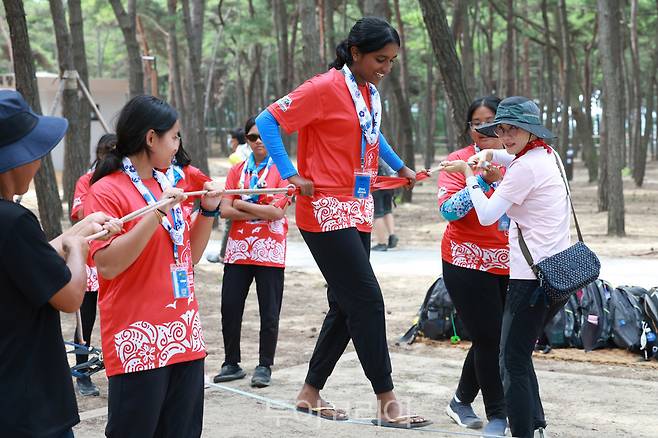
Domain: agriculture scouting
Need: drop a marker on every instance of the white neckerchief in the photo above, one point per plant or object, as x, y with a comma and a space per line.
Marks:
177, 230
369, 122
261, 181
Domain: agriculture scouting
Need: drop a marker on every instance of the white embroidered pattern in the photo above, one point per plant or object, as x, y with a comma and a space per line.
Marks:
144, 346
92, 278
256, 249
469, 255
333, 214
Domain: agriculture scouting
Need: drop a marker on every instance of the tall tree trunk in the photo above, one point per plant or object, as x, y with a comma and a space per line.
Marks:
610, 54
311, 62
584, 119
193, 11
50, 205
80, 61
127, 23
449, 65
638, 146
404, 60
175, 80
508, 56
76, 154
550, 101
430, 112
566, 77
329, 31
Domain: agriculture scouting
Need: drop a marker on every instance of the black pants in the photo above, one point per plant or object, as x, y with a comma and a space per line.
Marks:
88, 316
479, 298
164, 402
526, 312
235, 287
356, 308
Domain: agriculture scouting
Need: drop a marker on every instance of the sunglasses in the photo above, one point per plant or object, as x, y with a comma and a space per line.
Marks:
253, 137
478, 123
502, 132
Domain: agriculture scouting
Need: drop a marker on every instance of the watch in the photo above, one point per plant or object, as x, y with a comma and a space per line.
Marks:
210, 213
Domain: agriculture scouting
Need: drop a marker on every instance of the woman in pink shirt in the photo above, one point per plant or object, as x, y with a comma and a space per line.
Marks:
534, 196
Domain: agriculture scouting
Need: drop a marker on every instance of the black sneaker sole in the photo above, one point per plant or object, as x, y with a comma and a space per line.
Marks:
229, 377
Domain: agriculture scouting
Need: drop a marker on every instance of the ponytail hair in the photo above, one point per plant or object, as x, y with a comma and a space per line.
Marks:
136, 119
368, 34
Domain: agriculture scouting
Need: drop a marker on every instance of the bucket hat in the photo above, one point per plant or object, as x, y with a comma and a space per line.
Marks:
517, 111
24, 135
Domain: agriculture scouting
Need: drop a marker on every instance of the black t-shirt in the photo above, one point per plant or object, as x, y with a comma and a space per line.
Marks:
36, 390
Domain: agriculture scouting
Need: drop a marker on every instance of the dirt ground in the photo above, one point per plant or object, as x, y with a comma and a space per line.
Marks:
603, 393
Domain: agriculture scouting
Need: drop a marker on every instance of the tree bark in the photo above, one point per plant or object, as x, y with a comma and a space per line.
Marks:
566, 78
610, 54
430, 113
311, 62
550, 101
50, 205
175, 84
127, 23
193, 20
639, 147
329, 31
449, 64
508, 56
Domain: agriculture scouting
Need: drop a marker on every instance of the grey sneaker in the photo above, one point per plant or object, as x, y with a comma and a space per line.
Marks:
392, 241
495, 427
262, 377
229, 372
380, 247
86, 387
463, 414
540, 433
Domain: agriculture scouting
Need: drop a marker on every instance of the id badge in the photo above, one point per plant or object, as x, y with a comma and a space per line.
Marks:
180, 280
361, 184
503, 223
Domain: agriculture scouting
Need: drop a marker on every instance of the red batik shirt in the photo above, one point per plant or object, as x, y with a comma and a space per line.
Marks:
329, 152
258, 242
467, 243
142, 325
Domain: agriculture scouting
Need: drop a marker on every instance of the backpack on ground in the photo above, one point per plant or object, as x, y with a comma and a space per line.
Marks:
595, 326
437, 318
626, 316
648, 342
561, 331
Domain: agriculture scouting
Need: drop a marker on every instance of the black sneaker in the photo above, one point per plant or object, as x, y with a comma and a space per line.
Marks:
379, 247
463, 414
229, 372
392, 241
262, 377
86, 387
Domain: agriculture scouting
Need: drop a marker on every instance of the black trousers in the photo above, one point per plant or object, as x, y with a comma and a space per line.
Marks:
88, 316
526, 312
479, 298
356, 308
235, 287
164, 402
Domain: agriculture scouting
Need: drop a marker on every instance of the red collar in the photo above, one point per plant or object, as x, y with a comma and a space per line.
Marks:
538, 143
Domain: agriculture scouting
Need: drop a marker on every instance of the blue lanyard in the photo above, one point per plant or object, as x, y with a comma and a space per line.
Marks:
175, 246
363, 152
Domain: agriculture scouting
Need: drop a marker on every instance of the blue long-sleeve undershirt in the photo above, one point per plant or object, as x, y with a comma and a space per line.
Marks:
459, 204
268, 129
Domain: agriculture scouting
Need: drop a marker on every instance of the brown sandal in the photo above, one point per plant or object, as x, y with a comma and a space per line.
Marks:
403, 422
325, 412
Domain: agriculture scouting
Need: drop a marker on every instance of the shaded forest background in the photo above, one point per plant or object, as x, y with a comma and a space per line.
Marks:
590, 64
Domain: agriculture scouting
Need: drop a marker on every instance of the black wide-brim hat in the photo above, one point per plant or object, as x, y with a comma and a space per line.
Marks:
517, 111
24, 135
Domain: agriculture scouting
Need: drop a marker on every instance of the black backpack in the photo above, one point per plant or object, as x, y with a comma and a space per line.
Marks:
595, 327
626, 316
562, 330
648, 341
437, 318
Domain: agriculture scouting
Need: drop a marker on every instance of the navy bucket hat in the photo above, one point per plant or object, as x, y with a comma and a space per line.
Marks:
517, 111
24, 135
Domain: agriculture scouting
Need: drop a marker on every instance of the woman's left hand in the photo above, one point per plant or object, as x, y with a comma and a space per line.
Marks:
211, 200
405, 172
457, 166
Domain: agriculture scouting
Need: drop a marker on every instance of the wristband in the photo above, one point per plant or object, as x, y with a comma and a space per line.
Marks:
210, 213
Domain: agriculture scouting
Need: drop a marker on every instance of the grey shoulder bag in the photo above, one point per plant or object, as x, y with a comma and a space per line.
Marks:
569, 270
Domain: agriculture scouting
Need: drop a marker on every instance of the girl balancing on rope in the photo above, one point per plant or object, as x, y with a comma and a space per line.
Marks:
338, 117
153, 343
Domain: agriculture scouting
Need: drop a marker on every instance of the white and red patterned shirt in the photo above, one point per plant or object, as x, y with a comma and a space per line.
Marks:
258, 242
143, 326
77, 213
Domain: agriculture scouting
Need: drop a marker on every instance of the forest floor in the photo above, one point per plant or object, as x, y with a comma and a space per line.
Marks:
602, 393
